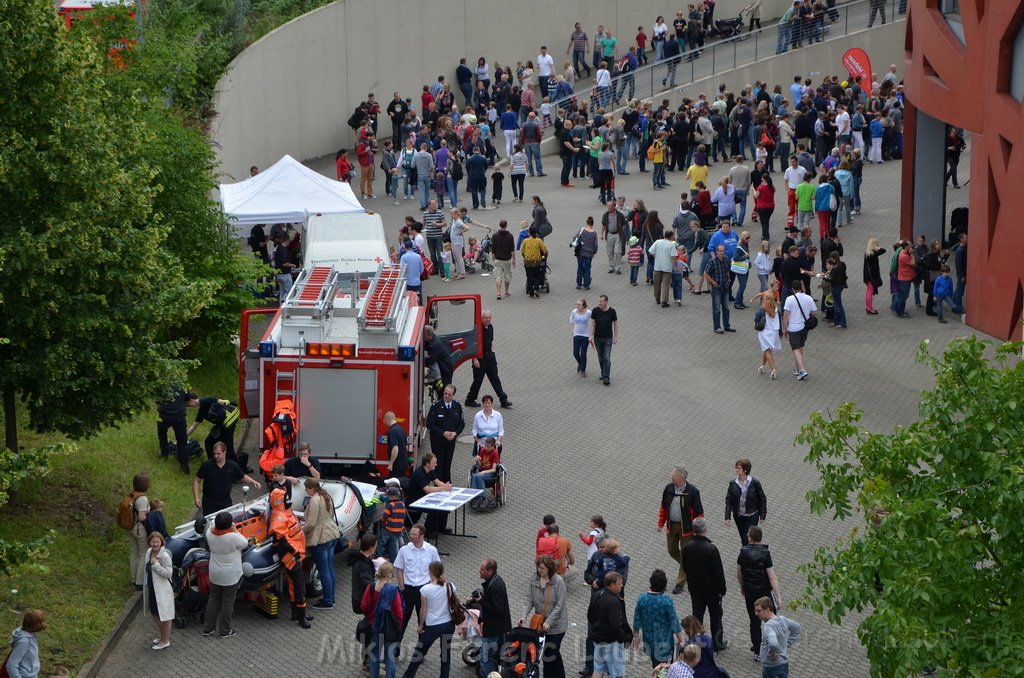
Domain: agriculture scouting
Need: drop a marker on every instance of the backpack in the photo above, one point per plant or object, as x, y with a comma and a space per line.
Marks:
456, 169
126, 517
651, 150
355, 121
407, 160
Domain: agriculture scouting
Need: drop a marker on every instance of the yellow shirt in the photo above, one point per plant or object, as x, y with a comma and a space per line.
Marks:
697, 173
659, 152
533, 251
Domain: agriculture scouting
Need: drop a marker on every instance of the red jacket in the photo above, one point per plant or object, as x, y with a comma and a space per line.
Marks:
344, 168
369, 605
363, 155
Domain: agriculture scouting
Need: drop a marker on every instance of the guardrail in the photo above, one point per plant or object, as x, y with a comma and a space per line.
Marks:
732, 52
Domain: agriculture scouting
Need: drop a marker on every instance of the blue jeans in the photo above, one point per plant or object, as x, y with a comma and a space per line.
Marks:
658, 178
720, 306
677, 286
783, 39
533, 155
390, 649
424, 186
583, 270
632, 144
917, 292
430, 635
604, 356
467, 91
323, 556
408, 188
388, 543
579, 62
284, 286
839, 312
781, 671
620, 159
488, 650
958, 293
743, 286
901, 297
855, 203
579, 351
650, 269
634, 272
659, 50
453, 189
942, 301
741, 205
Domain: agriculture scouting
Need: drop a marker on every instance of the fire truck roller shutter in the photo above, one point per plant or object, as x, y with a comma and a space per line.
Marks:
337, 412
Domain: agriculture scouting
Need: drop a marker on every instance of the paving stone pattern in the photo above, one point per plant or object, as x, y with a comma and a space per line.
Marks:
680, 394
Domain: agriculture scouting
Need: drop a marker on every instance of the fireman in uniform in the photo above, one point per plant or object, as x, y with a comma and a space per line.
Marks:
171, 415
486, 365
290, 542
223, 415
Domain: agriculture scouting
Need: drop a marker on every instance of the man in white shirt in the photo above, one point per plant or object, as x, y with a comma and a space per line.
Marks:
545, 70
413, 569
798, 310
794, 176
843, 131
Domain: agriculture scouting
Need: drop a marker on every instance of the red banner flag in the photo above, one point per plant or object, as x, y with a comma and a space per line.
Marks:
858, 64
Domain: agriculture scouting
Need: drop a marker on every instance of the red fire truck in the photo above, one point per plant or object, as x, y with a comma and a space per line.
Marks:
346, 349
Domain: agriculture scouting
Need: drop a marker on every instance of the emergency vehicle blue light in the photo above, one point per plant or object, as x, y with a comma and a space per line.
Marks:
266, 349
406, 353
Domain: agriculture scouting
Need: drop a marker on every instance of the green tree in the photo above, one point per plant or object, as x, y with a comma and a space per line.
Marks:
937, 562
91, 292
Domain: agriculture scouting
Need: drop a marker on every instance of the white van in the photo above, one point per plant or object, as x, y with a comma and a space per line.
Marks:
353, 242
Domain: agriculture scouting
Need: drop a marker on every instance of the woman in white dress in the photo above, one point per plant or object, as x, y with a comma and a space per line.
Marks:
769, 336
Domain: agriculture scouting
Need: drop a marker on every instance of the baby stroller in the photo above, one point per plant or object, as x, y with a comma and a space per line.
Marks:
542, 284
522, 653
470, 629
727, 28
193, 589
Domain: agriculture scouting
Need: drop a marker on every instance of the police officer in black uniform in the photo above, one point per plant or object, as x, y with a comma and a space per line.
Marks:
487, 366
171, 415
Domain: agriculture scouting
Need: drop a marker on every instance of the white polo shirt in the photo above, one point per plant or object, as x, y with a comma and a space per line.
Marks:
415, 563
545, 65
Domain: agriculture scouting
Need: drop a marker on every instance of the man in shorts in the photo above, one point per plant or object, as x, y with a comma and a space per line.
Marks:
503, 247
799, 308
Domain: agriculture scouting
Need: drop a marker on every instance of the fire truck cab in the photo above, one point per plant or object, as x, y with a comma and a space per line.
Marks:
345, 352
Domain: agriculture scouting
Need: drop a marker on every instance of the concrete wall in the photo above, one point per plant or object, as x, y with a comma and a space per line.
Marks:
293, 90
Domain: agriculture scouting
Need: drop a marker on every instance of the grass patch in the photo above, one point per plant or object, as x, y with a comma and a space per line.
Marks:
85, 583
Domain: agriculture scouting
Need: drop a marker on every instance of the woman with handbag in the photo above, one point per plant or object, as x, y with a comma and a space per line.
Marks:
545, 608
438, 605
382, 604
655, 621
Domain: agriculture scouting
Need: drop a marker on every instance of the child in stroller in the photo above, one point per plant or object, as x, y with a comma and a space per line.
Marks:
522, 653
193, 587
727, 28
476, 253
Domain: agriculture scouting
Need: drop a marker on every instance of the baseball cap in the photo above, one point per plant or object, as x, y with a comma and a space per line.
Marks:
633, 240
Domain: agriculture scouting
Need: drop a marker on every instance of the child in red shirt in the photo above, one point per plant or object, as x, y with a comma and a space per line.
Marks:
486, 462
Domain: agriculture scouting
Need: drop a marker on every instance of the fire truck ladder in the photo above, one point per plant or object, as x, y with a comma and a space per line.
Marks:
385, 300
313, 294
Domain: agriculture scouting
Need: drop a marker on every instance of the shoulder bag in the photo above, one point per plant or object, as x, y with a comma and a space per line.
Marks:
455, 606
809, 323
537, 620
740, 266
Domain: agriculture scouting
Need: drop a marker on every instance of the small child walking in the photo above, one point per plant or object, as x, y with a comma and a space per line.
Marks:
680, 272
446, 261
597, 530
634, 257
393, 524
497, 187
545, 112
440, 186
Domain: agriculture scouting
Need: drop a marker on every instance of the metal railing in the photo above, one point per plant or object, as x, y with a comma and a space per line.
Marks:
729, 53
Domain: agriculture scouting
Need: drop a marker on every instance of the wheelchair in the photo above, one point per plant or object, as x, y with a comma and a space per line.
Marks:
496, 485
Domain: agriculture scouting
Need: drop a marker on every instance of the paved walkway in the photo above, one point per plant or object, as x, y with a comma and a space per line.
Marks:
679, 395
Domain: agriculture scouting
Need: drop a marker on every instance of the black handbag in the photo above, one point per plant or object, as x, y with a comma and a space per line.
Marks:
809, 323
392, 630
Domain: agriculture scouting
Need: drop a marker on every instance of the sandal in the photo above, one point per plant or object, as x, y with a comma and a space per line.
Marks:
694, 292
773, 374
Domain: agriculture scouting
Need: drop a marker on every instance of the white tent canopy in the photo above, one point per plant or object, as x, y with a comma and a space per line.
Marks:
284, 193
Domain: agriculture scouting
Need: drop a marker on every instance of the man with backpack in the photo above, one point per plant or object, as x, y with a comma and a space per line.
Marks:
223, 415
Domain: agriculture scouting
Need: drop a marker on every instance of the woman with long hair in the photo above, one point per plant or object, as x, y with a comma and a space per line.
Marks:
579, 318
435, 621
696, 635
768, 338
322, 534
872, 275
653, 231
764, 204
379, 600
158, 597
